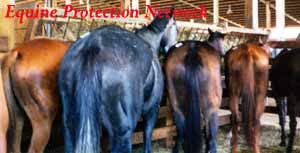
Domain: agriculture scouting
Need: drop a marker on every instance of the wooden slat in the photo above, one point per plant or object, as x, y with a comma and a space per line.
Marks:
285, 44
170, 131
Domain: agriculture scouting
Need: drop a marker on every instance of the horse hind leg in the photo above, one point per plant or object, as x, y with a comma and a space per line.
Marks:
259, 110
235, 119
14, 133
179, 121
16, 114
212, 133
281, 107
41, 109
121, 114
293, 122
151, 112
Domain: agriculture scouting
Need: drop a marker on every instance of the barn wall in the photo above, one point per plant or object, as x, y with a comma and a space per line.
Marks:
6, 25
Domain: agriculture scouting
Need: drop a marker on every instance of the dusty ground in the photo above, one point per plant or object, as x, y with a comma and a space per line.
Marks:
269, 140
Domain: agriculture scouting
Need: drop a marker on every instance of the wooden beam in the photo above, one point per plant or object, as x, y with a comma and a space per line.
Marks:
148, 2
125, 4
54, 4
135, 4
32, 26
216, 12
268, 15
286, 14
210, 13
251, 14
285, 44
280, 14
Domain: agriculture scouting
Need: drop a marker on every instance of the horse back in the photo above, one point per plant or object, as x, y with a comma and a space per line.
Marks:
114, 51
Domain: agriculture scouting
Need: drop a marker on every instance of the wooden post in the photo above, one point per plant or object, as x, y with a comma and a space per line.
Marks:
125, 4
268, 15
148, 2
280, 18
216, 12
7, 25
251, 14
54, 4
30, 32
135, 4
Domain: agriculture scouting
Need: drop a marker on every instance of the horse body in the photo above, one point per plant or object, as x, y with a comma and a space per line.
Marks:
247, 78
285, 82
195, 92
29, 74
108, 80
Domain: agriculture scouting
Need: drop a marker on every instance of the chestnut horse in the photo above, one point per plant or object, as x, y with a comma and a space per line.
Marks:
195, 92
285, 82
246, 70
29, 75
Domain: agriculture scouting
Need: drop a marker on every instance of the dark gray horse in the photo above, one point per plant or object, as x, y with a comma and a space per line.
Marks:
285, 82
108, 80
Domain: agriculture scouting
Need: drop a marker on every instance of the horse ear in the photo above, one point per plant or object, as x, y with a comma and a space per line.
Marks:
210, 31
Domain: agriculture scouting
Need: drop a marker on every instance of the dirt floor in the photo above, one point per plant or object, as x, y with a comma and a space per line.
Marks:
269, 139
269, 142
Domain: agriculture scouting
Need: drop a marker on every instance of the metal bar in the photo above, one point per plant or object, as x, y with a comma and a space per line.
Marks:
80, 25
91, 26
67, 25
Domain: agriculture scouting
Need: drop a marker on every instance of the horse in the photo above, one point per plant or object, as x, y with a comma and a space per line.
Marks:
194, 89
284, 76
246, 73
108, 80
29, 75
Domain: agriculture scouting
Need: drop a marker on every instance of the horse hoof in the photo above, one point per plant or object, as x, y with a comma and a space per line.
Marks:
282, 144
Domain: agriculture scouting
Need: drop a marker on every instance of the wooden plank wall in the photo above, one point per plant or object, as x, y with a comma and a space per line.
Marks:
6, 24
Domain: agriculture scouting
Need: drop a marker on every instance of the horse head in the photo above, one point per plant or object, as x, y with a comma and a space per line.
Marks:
161, 32
216, 40
170, 35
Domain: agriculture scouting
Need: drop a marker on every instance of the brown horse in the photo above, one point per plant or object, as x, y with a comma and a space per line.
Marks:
195, 92
246, 73
29, 74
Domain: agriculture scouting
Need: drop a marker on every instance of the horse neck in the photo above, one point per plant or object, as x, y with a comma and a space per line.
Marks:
152, 38
213, 45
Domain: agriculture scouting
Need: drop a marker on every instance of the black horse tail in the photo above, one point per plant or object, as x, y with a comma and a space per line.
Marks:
16, 118
81, 114
248, 101
193, 132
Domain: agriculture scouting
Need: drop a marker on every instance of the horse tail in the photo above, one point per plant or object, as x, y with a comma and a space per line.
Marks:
15, 113
247, 94
81, 105
193, 133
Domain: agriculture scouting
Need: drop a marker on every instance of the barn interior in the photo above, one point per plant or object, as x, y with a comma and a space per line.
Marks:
276, 22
